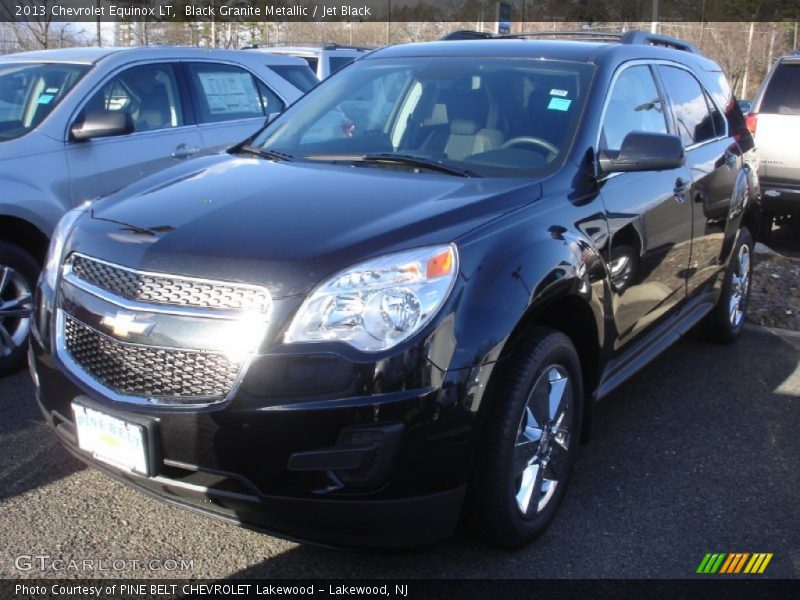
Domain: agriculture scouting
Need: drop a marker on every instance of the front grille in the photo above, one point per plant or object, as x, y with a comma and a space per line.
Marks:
168, 289
130, 370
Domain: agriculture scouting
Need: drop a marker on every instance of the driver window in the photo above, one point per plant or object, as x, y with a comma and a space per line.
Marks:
149, 93
633, 105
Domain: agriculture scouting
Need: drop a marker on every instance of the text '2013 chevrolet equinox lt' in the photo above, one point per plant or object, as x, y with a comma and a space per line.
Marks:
359, 337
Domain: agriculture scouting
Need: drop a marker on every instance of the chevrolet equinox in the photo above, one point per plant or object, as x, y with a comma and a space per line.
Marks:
362, 335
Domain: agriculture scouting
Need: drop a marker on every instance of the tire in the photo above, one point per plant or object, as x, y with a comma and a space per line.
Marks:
510, 505
18, 273
726, 320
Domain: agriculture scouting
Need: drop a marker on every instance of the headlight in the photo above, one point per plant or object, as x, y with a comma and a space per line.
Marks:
55, 253
379, 303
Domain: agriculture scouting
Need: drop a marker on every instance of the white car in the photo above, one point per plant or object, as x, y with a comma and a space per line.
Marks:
775, 121
323, 60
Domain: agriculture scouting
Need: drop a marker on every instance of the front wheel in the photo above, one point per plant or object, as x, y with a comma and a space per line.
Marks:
18, 272
725, 322
530, 441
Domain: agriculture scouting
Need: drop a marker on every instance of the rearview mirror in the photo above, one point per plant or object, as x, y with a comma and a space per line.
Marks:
644, 152
103, 123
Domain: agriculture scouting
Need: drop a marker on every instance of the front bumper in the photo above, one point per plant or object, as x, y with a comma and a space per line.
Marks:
279, 467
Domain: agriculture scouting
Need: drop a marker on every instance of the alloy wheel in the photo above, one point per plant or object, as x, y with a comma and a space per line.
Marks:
543, 440
740, 284
16, 306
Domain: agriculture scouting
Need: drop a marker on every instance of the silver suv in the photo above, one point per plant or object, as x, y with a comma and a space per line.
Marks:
82, 123
775, 121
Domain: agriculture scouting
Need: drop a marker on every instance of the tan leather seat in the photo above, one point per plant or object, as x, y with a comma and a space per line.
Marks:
466, 139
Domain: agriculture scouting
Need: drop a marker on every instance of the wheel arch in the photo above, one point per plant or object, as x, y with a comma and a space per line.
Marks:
24, 234
572, 315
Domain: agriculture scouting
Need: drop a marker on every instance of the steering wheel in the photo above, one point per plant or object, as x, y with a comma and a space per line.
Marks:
534, 141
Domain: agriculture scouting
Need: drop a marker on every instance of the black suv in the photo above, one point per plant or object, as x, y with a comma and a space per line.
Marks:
355, 330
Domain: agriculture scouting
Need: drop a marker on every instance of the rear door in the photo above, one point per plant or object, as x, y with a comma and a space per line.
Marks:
230, 103
778, 125
650, 221
164, 133
714, 161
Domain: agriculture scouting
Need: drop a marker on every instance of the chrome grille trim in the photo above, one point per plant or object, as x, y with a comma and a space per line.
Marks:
77, 369
177, 293
113, 347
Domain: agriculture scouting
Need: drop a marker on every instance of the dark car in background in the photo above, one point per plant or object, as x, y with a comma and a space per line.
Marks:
362, 338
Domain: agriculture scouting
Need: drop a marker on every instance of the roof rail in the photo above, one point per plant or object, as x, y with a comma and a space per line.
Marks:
323, 46
630, 37
466, 34
652, 39
346, 47
592, 36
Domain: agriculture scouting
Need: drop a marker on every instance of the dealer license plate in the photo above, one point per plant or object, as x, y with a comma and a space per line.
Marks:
111, 440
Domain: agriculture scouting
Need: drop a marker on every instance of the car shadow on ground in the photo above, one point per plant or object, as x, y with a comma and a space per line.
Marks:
697, 453
786, 240
31, 455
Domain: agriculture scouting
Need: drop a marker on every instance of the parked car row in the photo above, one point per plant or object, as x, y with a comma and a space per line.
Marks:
393, 307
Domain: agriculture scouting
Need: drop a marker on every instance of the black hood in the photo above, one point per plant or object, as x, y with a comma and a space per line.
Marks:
285, 225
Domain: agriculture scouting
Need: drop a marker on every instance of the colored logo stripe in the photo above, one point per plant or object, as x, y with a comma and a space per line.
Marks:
758, 563
734, 562
711, 563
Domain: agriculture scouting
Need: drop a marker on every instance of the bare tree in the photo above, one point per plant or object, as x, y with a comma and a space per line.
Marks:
41, 32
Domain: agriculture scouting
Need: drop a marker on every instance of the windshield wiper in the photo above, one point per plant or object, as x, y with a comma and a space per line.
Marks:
419, 162
263, 153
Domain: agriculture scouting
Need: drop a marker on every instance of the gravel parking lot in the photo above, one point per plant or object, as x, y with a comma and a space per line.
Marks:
698, 453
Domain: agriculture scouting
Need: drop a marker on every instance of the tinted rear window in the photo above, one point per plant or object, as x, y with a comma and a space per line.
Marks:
337, 62
301, 77
312, 61
782, 96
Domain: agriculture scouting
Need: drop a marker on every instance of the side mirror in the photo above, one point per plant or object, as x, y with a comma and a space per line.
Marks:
104, 123
644, 152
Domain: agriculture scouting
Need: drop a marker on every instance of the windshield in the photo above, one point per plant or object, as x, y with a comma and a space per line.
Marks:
488, 116
29, 92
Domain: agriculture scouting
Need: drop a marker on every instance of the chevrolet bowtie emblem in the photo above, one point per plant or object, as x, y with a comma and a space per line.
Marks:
124, 324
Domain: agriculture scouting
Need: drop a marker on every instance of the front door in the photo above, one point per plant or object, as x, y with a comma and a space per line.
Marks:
162, 135
649, 217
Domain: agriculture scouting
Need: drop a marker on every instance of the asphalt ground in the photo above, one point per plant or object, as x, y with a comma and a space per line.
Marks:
698, 453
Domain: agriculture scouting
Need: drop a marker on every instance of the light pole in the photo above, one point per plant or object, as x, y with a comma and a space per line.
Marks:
654, 22
99, 28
